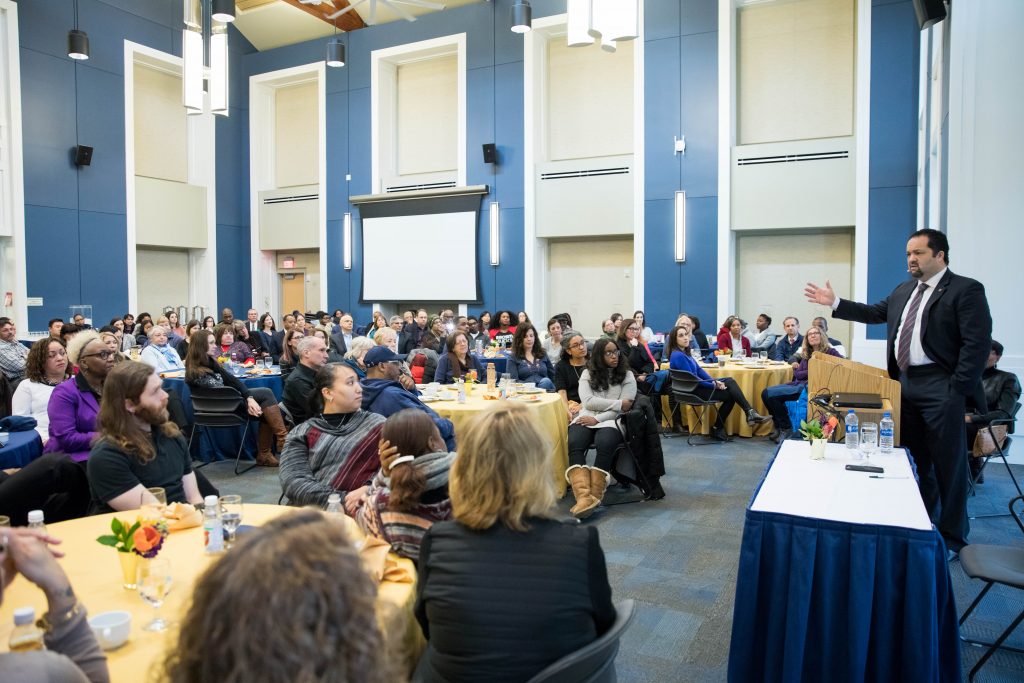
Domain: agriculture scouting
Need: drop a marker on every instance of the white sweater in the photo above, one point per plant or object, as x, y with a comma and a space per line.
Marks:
605, 406
30, 400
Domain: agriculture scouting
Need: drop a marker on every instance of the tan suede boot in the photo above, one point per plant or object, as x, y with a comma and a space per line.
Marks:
272, 416
264, 458
598, 485
578, 477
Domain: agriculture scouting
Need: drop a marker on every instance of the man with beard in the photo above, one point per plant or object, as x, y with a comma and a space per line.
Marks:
138, 446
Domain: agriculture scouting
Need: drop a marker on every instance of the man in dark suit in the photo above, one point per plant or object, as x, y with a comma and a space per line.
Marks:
341, 340
938, 335
412, 335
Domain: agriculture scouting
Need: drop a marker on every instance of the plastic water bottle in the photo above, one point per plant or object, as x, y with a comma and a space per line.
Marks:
334, 504
852, 431
462, 391
885, 433
35, 520
26, 636
213, 528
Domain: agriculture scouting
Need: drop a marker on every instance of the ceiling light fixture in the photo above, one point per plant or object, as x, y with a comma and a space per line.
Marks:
223, 10
522, 16
205, 56
78, 41
606, 21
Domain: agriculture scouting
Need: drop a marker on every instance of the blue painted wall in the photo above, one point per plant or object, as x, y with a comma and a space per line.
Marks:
75, 219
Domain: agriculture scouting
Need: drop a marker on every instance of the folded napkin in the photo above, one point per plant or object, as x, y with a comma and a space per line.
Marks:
381, 563
182, 516
17, 423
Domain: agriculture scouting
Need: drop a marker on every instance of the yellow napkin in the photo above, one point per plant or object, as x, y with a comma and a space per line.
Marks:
380, 563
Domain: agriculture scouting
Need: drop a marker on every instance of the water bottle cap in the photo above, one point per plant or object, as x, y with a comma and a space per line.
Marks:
35, 517
24, 616
334, 498
850, 411
210, 502
887, 414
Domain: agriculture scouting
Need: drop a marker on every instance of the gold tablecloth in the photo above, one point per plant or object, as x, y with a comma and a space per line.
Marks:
95, 573
550, 416
751, 381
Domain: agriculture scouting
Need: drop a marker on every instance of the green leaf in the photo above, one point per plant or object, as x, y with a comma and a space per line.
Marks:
112, 541
116, 526
135, 527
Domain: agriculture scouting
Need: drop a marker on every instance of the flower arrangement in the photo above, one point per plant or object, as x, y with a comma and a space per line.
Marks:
814, 430
470, 377
723, 352
144, 538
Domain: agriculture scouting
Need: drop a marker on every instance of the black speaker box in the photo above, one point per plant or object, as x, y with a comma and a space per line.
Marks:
490, 153
83, 155
929, 12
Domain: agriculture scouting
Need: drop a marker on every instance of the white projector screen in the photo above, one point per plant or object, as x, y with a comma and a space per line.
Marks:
424, 257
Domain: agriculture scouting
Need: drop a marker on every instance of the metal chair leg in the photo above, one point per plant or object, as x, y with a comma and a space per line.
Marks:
241, 447
702, 440
970, 480
202, 463
974, 604
997, 645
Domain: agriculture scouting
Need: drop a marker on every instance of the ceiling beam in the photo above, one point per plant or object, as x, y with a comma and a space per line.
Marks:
350, 21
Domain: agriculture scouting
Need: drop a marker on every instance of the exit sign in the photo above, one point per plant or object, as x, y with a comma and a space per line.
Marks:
288, 263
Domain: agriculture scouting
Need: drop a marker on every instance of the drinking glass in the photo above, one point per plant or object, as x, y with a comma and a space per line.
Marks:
268, 362
231, 516
479, 347
763, 355
868, 439
154, 581
159, 493
5, 520
695, 354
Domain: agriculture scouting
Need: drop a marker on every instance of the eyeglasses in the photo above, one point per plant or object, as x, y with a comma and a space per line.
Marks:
105, 354
579, 345
611, 352
632, 328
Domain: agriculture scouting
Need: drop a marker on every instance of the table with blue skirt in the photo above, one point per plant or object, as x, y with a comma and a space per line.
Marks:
842, 576
221, 444
500, 363
21, 449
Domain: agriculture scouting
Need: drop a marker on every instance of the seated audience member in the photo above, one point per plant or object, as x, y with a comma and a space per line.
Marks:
388, 338
384, 394
159, 353
775, 397
616, 319
53, 327
290, 351
270, 342
790, 343
75, 404
53, 483
1002, 391
836, 344
209, 323
71, 652
731, 338
474, 332
339, 341
685, 320
251, 322
79, 320
522, 318
502, 329
553, 342
236, 350
335, 450
142, 332
13, 353
436, 329
379, 322
357, 349
396, 323
250, 339
646, 333
138, 446
608, 329
640, 361
425, 357
763, 337
203, 370
607, 390
698, 335
528, 361
68, 332
413, 333
46, 367
410, 492
503, 504
462, 324
457, 361
182, 347
298, 388
129, 323
568, 371
109, 337
725, 390
174, 325
227, 316
307, 604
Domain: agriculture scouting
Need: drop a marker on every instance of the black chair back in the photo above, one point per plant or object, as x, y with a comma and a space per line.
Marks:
218, 407
593, 663
684, 387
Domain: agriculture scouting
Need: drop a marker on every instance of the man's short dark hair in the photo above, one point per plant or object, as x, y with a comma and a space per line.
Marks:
937, 241
791, 317
823, 325
54, 320
766, 317
998, 348
473, 318
4, 320
70, 328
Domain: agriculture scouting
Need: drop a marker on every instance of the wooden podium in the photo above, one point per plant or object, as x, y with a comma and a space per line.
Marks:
832, 375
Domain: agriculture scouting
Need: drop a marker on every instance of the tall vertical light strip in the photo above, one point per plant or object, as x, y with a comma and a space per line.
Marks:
346, 236
680, 226
219, 68
192, 56
495, 223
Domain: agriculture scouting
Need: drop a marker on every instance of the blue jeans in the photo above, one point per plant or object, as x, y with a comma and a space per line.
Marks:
775, 401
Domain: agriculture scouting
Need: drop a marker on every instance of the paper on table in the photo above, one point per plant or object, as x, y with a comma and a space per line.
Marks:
824, 489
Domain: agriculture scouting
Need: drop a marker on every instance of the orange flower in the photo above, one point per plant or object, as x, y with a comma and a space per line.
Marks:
146, 538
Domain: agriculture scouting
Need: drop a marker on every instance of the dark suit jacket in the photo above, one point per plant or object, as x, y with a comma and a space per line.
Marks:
338, 344
956, 326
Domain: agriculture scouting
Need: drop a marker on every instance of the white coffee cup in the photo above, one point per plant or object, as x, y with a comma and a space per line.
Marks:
431, 389
111, 628
530, 386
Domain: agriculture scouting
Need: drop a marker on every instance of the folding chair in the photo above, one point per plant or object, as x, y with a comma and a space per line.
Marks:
594, 662
986, 422
684, 388
994, 564
217, 408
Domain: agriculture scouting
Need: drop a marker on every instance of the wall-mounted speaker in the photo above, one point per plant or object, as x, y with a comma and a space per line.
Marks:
490, 153
82, 155
929, 12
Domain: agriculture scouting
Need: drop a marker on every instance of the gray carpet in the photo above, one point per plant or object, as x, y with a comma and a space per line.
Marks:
677, 558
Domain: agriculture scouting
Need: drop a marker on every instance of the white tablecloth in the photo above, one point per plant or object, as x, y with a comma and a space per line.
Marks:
825, 489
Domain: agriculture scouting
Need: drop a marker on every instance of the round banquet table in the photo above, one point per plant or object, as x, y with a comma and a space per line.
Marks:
551, 419
95, 573
21, 449
500, 363
752, 381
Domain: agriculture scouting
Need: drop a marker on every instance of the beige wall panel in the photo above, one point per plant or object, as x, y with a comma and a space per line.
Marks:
296, 137
427, 115
170, 214
575, 269
161, 137
162, 279
795, 70
589, 101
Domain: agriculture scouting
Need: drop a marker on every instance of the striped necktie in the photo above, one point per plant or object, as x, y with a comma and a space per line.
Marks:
907, 334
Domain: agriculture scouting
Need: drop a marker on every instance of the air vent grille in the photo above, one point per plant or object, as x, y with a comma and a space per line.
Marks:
790, 158
421, 186
585, 173
292, 198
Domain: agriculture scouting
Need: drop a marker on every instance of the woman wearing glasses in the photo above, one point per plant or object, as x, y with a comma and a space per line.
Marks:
45, 368
568, 371
159, 353
607, 390
74, 404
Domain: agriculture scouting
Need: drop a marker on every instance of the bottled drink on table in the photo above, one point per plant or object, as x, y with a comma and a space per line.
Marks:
492, 376
886, 430
213, 529
479, 347
868, 439
35, 520
852, 431
334, 504
26, 636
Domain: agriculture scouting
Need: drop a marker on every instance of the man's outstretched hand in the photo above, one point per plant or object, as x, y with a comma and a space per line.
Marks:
825, 296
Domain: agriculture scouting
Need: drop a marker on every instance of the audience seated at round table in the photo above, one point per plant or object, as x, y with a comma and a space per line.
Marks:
528, 361
74, 404
457, 360
236, 350
731, 337
46, 367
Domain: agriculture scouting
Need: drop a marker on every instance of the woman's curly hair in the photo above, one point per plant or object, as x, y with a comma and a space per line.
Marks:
290, 603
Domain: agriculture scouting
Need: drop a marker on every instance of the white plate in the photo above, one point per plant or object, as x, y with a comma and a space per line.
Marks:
429, 399
535, 390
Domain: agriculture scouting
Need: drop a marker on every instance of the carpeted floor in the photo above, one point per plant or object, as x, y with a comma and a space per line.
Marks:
677, 558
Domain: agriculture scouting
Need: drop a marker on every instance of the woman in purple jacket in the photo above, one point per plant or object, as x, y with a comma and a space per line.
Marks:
815, 340
75, 403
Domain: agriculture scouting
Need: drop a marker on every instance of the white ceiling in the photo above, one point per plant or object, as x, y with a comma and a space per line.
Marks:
273, 23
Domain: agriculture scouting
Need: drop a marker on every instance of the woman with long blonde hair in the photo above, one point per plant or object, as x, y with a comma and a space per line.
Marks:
506, 589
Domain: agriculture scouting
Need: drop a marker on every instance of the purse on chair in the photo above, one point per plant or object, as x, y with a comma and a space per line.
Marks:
986, 439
